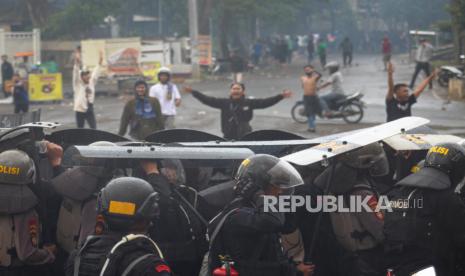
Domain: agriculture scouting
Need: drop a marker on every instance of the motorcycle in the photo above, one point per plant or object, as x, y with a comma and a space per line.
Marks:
449, 72
350, 109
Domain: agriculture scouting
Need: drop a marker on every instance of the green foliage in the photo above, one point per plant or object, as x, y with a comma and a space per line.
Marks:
457, 10
79, 17
419, 14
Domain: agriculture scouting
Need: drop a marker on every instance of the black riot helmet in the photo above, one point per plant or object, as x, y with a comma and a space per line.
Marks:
370, 157
448, 158
126, 200
174, 171
16, 168
263, 170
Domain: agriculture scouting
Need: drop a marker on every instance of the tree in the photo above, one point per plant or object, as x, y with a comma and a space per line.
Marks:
457, 11
79, 17
418, 14
37, 10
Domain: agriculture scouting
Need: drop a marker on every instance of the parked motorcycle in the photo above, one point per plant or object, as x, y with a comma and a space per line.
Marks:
449, 72
350, 109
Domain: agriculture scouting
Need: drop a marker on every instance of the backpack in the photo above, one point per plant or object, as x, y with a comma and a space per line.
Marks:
349, 230
102, 255
404, 227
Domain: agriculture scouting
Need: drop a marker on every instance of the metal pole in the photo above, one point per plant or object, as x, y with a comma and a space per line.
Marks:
36, 45
2, 42
160, 20
194, 35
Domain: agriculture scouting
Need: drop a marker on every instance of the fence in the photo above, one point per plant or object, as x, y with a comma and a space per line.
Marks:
14, 120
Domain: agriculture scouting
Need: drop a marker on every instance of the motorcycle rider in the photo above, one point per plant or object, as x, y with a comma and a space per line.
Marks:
127, 205
247, 234
337, 92
427, 225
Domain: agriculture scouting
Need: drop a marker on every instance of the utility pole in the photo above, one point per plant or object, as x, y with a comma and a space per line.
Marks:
194, 36
160, 19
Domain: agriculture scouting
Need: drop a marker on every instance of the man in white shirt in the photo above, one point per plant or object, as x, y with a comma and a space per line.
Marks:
84, 92
423, 57
168, 95
335, 81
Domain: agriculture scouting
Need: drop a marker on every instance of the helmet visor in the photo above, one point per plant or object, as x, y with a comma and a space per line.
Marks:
284, 175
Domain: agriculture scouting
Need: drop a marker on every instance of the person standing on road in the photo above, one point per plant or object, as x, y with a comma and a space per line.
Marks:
168, 95
20, 95
237, 110
84, 92
312, 104
387, 51
238, 66
423, 57
398, 99
347, 51
322, 47
257, 52
142, 114
7, 74
310, 48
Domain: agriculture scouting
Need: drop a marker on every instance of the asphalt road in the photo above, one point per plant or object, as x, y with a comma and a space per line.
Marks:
366, 75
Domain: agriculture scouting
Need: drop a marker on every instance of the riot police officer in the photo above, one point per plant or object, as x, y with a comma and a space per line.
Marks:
179, 229
427, 224
359, 233
127, 205
21, 248
78, 188
244, 231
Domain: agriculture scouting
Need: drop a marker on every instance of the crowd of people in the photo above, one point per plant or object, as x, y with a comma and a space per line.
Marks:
153, 217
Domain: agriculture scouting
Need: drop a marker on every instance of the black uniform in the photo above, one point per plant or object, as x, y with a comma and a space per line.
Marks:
251, 238
135, 258
236, 114
430, 230
177, 230
126, 205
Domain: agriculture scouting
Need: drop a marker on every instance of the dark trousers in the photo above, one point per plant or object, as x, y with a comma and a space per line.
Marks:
347, 57
21, 108
421, 66
88, 116
323, 60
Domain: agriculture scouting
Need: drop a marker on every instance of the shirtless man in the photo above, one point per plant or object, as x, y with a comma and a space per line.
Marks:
311, 101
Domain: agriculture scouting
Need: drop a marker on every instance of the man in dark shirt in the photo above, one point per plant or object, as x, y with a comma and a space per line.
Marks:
7, 73
398, 99
237, 110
